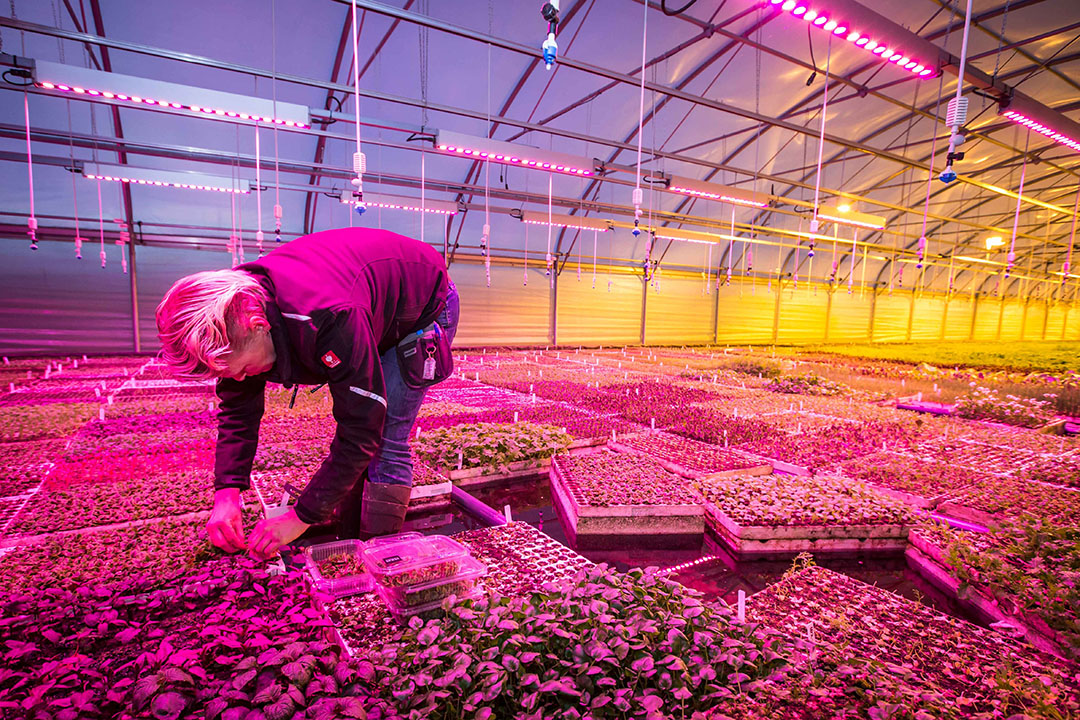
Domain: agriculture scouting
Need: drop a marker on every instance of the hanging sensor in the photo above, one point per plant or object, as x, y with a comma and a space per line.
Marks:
277, 223
78, 248
922, 252
359, 167
32, 224
550, 48
638, 197
955, 117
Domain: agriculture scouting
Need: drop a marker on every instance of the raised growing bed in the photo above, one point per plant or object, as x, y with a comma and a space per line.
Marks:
991, 501
970, 669
917, 482
609, 500
783, 515
689, 458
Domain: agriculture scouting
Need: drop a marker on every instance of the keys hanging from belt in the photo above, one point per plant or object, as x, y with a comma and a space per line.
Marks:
296, 388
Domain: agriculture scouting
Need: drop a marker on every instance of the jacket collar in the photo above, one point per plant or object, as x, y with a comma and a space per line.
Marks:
282, 370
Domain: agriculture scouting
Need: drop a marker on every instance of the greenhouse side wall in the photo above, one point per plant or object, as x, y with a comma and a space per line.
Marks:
519, 308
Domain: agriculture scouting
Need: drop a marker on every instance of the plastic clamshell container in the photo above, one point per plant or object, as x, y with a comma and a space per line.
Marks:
462, 583
342, 586
391, 539
415, 561
426, 611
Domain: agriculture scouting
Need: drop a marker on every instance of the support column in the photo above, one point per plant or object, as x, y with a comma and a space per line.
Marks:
910, 316
776, 312
553, 305
644, 297
873, 312
828, 311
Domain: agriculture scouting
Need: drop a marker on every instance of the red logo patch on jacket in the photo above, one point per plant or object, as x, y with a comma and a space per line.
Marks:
331, 360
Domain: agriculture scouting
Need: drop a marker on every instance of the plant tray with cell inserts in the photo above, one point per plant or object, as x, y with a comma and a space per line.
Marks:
689, 458
608, 500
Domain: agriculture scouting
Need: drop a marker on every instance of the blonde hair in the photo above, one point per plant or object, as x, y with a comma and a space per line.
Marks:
200, 313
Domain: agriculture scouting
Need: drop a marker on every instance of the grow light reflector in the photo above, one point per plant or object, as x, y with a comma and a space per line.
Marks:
164, 178
850, 217
692, 236
71, 80
398, 202
1022, 110
867, 30
479, 148
573, 222
713, 191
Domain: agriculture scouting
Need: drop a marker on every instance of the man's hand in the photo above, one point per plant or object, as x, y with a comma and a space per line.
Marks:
226, 527
269, 535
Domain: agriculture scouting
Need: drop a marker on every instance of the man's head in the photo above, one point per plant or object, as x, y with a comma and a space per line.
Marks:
213, 325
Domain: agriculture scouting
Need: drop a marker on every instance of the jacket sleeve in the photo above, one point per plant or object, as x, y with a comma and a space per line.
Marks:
348, 349
239, 415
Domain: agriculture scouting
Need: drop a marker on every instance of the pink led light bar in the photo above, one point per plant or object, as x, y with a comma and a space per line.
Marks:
845, 20
396, 202
164, 178
512, 154
213, 104
713, 191
851, 217
1033, 124
571, 222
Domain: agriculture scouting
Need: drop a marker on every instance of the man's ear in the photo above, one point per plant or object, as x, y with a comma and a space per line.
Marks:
258, 323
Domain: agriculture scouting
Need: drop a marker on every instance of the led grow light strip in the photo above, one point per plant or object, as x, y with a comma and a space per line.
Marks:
397, 202
571, 222
1032, 124
213, 104
851, 217
163, 178
713, 191
511, 154
843, 24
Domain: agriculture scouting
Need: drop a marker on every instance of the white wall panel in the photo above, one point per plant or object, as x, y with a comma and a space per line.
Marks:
802, 315
508, 312
1055, 321
891, 315
986, 318
958, 318
599, 316
745, 313
849, 317
928, 317
1012, 317
1072, 323
681, 313
1034, 319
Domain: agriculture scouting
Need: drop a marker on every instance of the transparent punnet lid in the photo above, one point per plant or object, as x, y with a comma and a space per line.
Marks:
462, 583
415, 561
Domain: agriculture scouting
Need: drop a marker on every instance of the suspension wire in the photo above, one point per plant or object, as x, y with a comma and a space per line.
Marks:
74, 189
731, 246
31, 223
854, 251
485, 238
277, 156
637, 195
595, 236
1072, 238
101, 225
356, 88
821, 137
258, 192
1016, 216
239, 204
547, 257
930, 171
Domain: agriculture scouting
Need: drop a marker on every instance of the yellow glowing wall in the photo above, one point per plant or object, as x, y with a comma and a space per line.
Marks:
929, 315
891, 314
679, 313
958, 318
1012, 318
986, 319
745, 312
802, 315
849, 317
508, 312
599, 316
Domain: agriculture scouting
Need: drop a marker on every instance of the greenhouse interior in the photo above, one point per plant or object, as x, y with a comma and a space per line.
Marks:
540, 359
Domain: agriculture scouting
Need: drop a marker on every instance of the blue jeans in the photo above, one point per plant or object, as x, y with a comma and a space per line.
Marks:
392, 463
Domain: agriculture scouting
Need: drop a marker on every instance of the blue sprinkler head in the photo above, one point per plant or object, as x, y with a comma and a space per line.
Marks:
551, 50
947, 175
360, 208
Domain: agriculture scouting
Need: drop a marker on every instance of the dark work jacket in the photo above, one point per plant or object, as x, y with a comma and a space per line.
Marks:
338, 300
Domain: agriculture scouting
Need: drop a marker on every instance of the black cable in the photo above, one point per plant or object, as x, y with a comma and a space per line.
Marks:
14, 72
810, 40
670, 13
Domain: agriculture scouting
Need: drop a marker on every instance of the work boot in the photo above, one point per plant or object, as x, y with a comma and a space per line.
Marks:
383, 510
347, 513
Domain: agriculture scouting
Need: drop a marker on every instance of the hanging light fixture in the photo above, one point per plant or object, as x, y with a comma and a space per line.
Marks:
572, 222
850, 217
479, 148
398, 202
1022, 110
867, 30
163, 178
69, 80
714, 191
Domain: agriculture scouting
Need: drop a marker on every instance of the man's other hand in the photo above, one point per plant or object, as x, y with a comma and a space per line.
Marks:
269, 535
226, 526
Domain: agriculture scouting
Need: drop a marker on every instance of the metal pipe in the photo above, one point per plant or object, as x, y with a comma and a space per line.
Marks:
479, 510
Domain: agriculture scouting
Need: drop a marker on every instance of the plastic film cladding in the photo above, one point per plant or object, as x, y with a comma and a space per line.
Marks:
680, 313
595, 316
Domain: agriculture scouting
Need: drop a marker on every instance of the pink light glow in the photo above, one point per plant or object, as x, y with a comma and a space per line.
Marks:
45, 85
836, 27
1042, 129
515, 160
566, 225
411, 208
186, 186
718, 196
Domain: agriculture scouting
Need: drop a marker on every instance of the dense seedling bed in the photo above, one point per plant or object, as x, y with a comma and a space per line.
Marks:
922, 483
999, 499
768, 514
962, 665
690, 458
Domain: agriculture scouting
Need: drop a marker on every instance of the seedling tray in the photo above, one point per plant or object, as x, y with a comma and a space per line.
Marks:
707, 461
756, 540
619, 526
